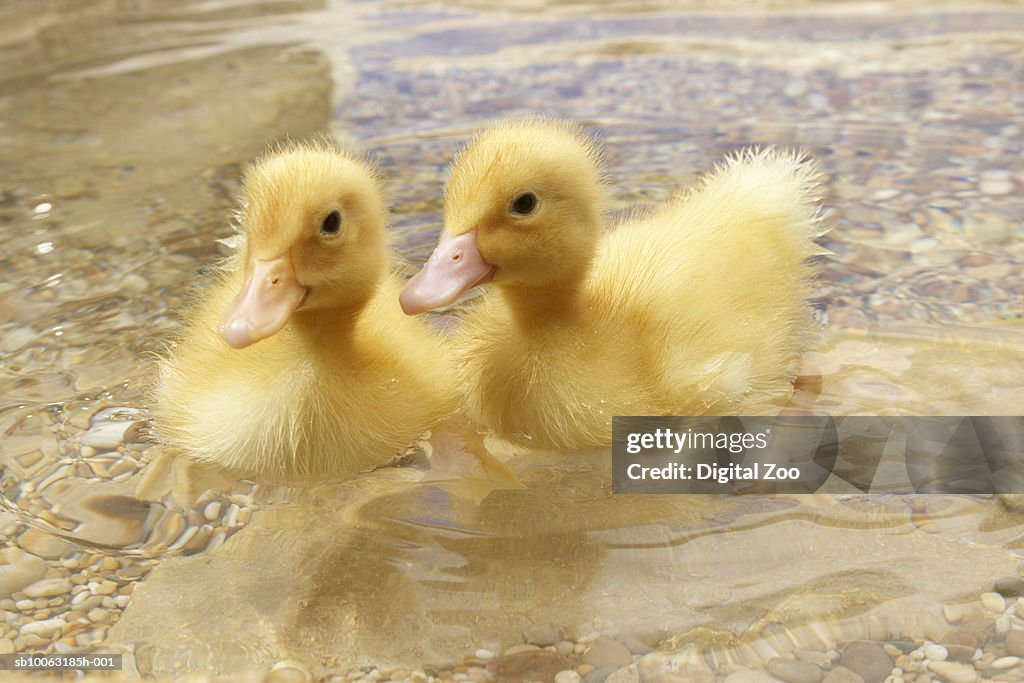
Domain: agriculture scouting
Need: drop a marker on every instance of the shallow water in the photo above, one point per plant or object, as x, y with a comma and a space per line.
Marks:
123, 134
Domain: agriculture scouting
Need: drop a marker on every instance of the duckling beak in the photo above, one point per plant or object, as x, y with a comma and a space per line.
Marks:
268, 298
455, 267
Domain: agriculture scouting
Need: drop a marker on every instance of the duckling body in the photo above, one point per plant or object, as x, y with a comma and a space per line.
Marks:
328, 378
696, 308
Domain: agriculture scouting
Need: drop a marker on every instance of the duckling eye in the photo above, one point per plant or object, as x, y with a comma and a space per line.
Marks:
524, 204
331, 225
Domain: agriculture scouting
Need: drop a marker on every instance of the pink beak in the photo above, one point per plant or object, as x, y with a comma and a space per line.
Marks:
454, 268
268, 298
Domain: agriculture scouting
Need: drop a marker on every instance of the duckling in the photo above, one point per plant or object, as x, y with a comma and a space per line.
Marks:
298, 361
698, 307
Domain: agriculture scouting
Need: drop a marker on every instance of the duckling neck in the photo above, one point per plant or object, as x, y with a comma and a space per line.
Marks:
332, 328
552, 304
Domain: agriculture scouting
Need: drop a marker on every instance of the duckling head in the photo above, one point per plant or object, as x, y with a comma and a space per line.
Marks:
523, 209
314, 223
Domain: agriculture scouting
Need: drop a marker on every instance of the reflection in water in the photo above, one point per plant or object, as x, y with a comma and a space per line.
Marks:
123, 135
389, 572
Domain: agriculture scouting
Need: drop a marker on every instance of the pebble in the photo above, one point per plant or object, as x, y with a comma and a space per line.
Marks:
868, 660
44, 628
1013, 676
883, 195
993, 602
479, 654
105, 436
954, 614
892, 650
972, 634
542, 634
516, 649
1010, 587
29, 640
231, 518
962, 653
593, 675
750, 677
21, 569
90, 602
1015, 642
1005, 662
44, 545
212, 511
97, 614
90, 637
984, 660
841, 674
996, 187
47, 588
74, 625
564, 647
106, 588
567, 676
538, 665
288, 672
794, 670
954, 672
935, 653
607, 652
628, 674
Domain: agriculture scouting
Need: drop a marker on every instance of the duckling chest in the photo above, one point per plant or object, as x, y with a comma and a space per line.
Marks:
344, 395
554, 391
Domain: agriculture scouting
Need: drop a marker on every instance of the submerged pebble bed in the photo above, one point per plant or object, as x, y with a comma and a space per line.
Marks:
985, 642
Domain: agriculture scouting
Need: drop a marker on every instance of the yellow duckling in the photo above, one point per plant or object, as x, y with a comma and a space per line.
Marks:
298, 362
696, 308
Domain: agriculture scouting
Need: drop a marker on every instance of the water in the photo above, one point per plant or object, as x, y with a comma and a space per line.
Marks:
123, 133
